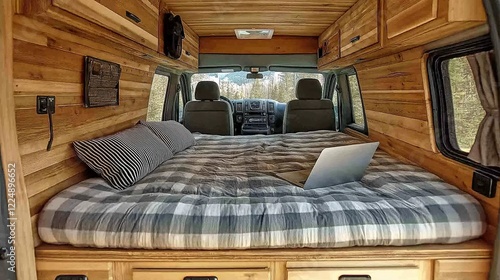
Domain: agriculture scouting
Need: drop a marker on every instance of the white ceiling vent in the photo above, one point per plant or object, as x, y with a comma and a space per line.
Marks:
254, 34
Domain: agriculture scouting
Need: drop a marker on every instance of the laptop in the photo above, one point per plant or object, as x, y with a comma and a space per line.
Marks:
335, 166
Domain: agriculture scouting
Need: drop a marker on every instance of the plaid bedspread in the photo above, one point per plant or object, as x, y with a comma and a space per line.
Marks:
222, 194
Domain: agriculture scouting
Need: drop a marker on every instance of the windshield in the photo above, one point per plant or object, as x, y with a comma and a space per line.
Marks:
279, 86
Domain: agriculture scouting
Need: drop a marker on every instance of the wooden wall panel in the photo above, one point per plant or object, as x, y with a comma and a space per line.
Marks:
276, 45
11, 161
49, 60
287, 18
397, 102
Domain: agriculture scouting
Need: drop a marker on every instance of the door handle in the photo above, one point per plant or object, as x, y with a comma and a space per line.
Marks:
355, 277
133, 17
355, 39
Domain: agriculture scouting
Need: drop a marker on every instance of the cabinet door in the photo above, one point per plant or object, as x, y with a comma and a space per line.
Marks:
403, 16
220, 274
331, 49
461, 269
142, 13
359, 27
114, 17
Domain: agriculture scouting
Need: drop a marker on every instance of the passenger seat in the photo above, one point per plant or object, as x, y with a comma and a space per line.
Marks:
208, 114
309, 112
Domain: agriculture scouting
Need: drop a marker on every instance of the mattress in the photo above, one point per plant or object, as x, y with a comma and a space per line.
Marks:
223, 194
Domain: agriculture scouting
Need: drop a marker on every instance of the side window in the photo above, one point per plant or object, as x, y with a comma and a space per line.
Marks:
466, 112
180, 104
464, 100
357, 110
157, 97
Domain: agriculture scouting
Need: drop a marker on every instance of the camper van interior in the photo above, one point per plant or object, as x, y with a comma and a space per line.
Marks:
181, 139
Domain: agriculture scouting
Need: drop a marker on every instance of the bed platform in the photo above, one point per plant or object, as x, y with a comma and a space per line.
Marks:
469, 260
223, 193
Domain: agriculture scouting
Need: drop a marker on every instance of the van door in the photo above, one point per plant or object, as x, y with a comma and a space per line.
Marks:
5, 267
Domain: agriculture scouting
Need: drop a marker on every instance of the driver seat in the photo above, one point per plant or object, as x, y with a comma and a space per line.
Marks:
208, 114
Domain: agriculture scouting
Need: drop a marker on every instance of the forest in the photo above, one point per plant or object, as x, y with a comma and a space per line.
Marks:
279, 86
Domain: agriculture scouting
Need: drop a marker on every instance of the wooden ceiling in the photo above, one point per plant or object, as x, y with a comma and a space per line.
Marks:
287, 17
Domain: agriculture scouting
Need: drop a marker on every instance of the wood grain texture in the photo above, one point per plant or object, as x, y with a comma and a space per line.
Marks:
360, 22
9, 148
469, 250
106, 14
402, 17
403, 25
276, 45
56, 21
47, 270
399, 114
48, 60
221, 17
461, 269
228, 274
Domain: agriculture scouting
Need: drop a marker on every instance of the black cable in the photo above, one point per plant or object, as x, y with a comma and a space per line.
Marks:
51, 131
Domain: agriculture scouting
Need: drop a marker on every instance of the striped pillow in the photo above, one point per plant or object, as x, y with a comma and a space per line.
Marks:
123, 158
173, 134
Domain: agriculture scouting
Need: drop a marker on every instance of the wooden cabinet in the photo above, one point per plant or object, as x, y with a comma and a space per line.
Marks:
374, 28
385, 273
417, 22
461, 269
136, 20
402, 16
221, 274
388, 270
49, 270
359, 27
330, 43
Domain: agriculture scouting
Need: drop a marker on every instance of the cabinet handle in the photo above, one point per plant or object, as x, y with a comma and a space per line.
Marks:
355, 277
200, 278
355, 39
133, 17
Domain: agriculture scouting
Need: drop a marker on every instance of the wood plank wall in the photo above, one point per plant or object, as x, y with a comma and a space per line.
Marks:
11, 162
49, 60
397, 103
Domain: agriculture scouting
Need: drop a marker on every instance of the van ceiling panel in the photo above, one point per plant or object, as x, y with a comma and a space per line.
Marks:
292, 17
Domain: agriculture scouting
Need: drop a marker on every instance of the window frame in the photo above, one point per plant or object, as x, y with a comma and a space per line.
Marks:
330, 88
440, 99
345, 101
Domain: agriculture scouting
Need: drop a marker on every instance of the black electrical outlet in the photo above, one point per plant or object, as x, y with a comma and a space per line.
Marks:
484, 184
45, 104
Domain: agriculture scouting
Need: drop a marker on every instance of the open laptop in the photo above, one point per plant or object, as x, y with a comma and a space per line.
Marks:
335, 166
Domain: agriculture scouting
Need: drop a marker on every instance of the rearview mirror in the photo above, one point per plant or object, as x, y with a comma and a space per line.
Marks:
255, 76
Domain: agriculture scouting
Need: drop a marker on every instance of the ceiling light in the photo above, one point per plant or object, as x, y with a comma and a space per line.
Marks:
254, 34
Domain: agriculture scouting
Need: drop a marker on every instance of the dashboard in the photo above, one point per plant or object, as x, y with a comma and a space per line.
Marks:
258, 116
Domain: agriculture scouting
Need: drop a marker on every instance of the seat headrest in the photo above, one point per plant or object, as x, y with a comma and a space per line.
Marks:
309, 89
207, 90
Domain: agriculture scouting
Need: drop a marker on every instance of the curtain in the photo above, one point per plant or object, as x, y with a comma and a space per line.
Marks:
486, 148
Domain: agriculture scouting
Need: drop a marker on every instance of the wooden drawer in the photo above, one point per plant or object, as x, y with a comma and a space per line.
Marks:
221, 274
373, 270
376, 273
403, 16
111, 14
146, 10
49, 270
331, 47
461, 269
359, 27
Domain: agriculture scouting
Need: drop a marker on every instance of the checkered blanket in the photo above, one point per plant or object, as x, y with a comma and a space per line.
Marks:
222, 194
